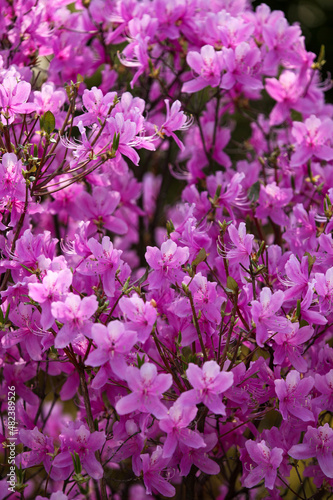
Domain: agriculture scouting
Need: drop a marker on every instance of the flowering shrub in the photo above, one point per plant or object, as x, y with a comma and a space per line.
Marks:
166, 313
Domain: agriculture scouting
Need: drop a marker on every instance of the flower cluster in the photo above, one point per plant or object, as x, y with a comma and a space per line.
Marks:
166, 274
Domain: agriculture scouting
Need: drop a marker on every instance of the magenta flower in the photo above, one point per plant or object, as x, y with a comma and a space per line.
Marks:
298, 277
307, 313
13, 99
324, 289
302, 233
27, 319
152, 466
292, 394
240, 67
288, 346
75, 314
53, 288
287, 92
207, 65
175, 424
49, 99
267, 460
98, 208
175, 120
207, 382
264, 315
242, 245
128, 139
166, 262
199, 457
113, 344
312, 140
41, 448
271, 201
12, 183
317, 443
104, 261
324, 384
142, 315
78, 438
147, 389
97, 106
205, 297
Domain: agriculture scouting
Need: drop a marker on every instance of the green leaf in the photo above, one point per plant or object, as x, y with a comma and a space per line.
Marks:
47, 122
232, 284
253, 192
141, 361
200, 257
311, 261
296, 116
76, 462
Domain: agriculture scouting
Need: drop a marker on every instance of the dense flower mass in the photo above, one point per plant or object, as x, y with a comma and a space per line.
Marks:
166, 253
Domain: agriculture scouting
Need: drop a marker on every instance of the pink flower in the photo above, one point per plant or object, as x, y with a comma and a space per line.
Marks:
313, 139
166, 262
292, 394
41, 448
243, 245
175, 120
199, 457
13, 99
49, 99
288, 346
207, 65
113, 343
317, 443
271, 201
97, 106
78, 438
298, 277
53, 287
12, 183
142, 315
264, 315
239, 64
152, 467
324, 289
75, 314
27, 319
287, 92
128, 139
98, 208
267, 460
147, 389
104, 261
175, 424
208, 383
324, 384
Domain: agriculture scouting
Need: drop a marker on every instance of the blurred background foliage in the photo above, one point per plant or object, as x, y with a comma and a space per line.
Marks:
316, 20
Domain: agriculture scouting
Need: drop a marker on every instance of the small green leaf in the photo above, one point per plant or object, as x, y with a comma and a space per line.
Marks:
47, 122
253, 192
311, 261
170, 227
141, 361
296, 116
7, 313
261, 249
76, 462
201, 256
232, 284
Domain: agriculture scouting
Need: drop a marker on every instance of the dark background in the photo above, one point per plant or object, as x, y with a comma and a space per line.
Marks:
316, 20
